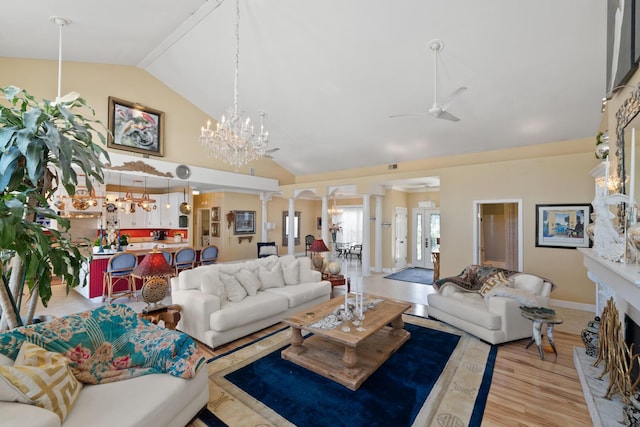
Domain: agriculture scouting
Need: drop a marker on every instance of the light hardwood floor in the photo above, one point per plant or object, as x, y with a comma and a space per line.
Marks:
525, 390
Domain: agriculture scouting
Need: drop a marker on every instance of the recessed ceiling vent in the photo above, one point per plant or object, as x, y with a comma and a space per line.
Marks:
393, 166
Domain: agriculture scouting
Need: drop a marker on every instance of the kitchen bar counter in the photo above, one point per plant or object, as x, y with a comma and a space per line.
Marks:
143, 248
98, 265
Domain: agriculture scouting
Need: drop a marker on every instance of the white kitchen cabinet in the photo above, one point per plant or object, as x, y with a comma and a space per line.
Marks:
154, 216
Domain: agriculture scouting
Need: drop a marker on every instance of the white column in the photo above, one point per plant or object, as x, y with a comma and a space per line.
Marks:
265, 232
291, 245
325, 220
377, 267
366, 236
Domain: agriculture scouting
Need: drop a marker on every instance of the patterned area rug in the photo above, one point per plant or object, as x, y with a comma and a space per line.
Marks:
414, 275
454, 396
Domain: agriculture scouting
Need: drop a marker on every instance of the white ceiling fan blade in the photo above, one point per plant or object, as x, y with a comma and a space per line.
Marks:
447, 116
452, 97
393, 116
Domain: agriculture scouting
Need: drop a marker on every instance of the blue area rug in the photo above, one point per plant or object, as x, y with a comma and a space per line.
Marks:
414, 275
417, 384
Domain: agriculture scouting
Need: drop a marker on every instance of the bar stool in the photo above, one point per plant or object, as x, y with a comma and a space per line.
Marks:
209, 255
184, 259
119, 267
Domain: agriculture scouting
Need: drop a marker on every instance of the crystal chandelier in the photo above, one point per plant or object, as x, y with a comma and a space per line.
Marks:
334, 210
234, 140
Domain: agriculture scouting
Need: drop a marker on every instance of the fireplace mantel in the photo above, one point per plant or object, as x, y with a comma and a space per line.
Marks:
622, 282
617, 280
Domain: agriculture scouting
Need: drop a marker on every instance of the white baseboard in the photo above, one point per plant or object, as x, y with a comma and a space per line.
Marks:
573, 305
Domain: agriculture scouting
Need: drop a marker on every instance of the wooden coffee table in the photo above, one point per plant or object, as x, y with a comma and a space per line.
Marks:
348, 358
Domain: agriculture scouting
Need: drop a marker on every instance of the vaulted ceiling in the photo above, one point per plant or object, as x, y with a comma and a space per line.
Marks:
329, 74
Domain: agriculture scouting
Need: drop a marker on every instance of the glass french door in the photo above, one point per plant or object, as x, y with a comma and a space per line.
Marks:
426, 236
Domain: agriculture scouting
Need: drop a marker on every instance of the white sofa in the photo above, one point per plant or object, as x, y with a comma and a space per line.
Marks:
215, 312
146, 401
494, 317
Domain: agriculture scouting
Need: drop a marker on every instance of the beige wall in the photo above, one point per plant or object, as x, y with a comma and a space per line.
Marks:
558, 179
556, 172
96, 82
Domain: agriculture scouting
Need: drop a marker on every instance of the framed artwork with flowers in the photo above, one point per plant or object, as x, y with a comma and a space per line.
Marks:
133, 127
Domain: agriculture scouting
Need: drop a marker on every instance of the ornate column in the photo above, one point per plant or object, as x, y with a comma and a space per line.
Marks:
377, 266
264, 198
291, 242
325, 220
366, 236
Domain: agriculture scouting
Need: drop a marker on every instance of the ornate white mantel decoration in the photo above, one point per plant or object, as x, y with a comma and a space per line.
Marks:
607, 241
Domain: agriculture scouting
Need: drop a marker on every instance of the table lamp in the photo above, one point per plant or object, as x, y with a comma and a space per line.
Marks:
153, 270
317, 260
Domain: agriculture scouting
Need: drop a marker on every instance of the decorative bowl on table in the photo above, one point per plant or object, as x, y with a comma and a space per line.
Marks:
542, 312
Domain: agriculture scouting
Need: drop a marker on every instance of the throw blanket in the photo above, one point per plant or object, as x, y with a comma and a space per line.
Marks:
473, 277
110, 343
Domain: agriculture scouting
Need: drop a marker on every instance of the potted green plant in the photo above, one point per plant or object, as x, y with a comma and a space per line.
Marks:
43, 144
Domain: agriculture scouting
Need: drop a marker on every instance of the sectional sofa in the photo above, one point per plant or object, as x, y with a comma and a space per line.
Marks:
223, 302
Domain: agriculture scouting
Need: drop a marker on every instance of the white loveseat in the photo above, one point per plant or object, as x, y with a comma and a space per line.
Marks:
146, 401
103, 367
223, 302
492, 315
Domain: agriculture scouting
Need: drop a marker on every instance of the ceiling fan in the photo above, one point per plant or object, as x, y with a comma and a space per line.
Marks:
438, 110
268, 153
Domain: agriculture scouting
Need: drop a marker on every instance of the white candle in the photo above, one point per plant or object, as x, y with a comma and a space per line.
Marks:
632, 177
346, 295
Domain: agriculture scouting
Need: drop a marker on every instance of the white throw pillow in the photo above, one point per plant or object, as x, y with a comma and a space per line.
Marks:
528, 282
5, 360
235, 291
291, 273
271, 278
523, 296
249, 281
267, 250
211, 284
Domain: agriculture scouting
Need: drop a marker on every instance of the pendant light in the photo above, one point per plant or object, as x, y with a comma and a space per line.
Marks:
60, 22
168, 195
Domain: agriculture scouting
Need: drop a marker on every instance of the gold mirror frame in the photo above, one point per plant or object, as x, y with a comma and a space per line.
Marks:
627, 112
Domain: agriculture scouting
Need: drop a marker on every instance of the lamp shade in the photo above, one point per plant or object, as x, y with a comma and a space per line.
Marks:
318, 246
153, 264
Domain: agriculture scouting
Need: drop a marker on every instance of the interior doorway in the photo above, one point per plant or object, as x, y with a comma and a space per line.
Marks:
426, 236
498, 233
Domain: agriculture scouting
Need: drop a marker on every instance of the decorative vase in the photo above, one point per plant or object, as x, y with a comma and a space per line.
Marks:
334, 234
590, 337
334, 268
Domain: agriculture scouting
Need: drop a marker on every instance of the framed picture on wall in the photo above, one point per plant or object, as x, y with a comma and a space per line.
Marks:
133, 127
563, 225
245, 222
319, 222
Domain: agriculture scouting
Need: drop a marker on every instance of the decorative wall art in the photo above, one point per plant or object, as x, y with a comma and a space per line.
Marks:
621, 55
133, 127
563, 226
245, 222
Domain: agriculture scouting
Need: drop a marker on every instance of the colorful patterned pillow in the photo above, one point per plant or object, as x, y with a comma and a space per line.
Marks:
494, 281
42, 378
